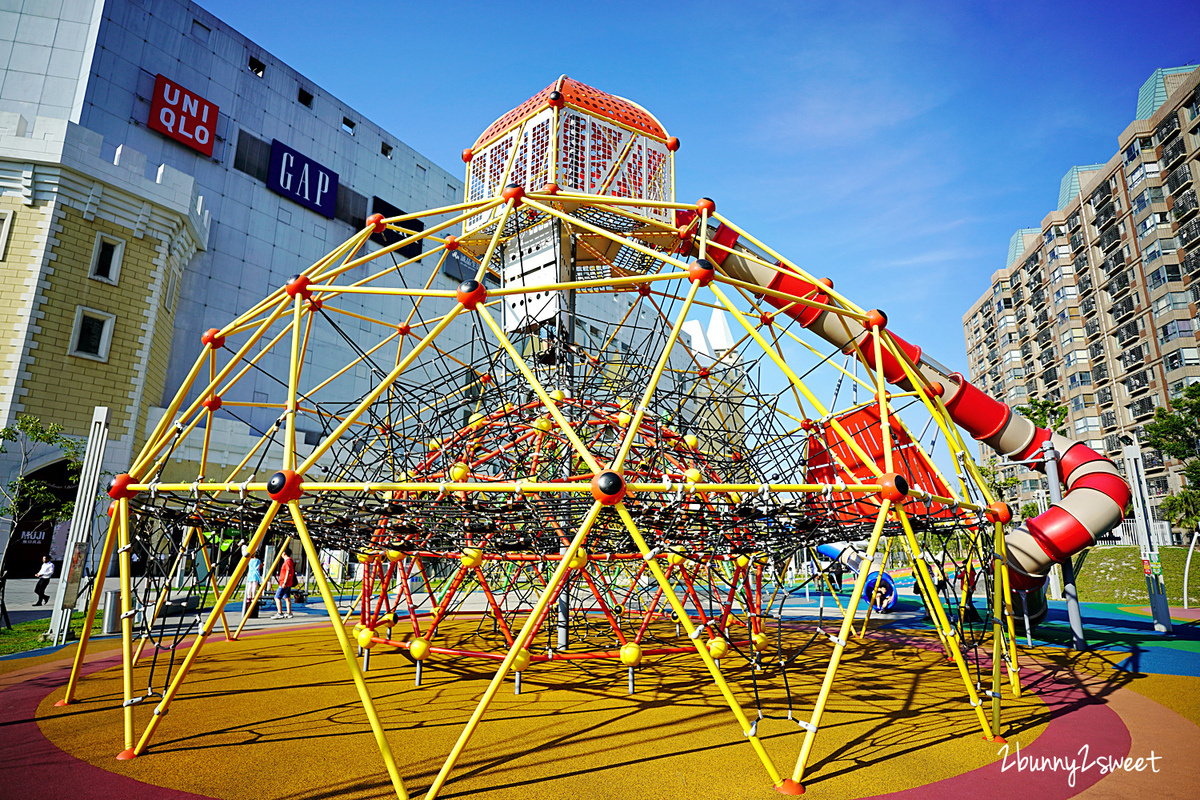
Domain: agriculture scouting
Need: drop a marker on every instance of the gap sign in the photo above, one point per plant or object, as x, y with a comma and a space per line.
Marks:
297, 177
184, 116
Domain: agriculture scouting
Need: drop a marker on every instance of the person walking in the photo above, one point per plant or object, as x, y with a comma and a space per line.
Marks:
43, 575
287, 579
253, 581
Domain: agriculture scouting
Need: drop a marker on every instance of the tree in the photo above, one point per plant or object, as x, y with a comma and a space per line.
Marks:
24, 495
1000, 479
1176, 432
1182, 508
1049, 414
1029, 510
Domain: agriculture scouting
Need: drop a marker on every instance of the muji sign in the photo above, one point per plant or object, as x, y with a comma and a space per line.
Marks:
298, 178
184, 116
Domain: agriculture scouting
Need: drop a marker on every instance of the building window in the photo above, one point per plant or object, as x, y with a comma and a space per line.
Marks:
305, 97
385, 150
253, 156
106, 258
200, 31
348, 125
256, 66
91, 335
6, 218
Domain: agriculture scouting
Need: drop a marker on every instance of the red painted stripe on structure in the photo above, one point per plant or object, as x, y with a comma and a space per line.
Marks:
1058, 533
1112, 485
1034, 448
726, 236
980, 414
797, 287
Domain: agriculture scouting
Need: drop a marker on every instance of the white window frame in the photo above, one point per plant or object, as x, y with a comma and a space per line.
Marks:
6, 218
114, 273
110, 322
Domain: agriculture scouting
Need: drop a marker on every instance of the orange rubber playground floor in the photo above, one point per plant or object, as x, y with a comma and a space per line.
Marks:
275, 715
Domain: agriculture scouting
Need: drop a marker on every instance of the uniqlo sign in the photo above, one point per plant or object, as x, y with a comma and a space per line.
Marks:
184, 116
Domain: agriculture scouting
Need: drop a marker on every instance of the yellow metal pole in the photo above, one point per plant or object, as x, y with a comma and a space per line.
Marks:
126, 618
749, 730
344, 641
527, 632
205, 631
262, 585
90, 618
941, 619
839, 645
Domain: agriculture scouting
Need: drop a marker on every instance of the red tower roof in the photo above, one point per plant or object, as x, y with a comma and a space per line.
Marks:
594, 101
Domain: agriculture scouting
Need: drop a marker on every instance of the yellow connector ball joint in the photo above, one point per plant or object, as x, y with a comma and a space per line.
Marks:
434, 444
471, 557
760, 641
459, 471
717, 648
363, 558
418, 649
631, 654
394, 555
366, 638
676, 558
475, 419
578, 560
693, 475
743, 561
558, 395
624, 418
521, 660
691, 442
543, 424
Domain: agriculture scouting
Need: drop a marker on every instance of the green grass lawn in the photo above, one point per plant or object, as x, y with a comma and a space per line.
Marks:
24, 635
1114, 575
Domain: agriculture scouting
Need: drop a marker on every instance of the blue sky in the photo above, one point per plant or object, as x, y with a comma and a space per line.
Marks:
894, 147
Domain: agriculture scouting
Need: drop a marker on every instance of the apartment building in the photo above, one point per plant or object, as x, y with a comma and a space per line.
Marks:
1096, 309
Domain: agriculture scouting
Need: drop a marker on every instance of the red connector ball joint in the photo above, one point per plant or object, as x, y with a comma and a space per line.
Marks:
298, 285
766, 319
403, 329
514, 194
551, 188
118, 487
376, 224
608, 487
673, 143
706, 204
701, 272
451, 243
643, 289
284, 486
999, 512
467, 155
789, 786
212, 403
213, 338
556, 100
485, 378
471, 293
826, 282
112, 508
893, 487
876, 319
934, 389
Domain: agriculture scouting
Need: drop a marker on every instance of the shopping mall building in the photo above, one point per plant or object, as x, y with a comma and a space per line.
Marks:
160, 173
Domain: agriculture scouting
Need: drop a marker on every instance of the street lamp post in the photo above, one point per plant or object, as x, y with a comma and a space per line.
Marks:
1134, 470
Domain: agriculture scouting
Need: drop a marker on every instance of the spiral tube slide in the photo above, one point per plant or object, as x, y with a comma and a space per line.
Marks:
1095, 494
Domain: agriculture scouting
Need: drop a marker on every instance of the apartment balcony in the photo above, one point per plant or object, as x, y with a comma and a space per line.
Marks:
1077, 242
1190, 264
1091, 328
1115, 261
1022, 313
1180, 176
1108, 419
1184, 205
1109, 239
1122, 308
1173, 152
1096, 351
1104, 395
1105, 216
1142, 409
1074, 221
1035, 280
1087, 306
1167, 128
1189, 233
1085, 284
1102, 193
1038, 297
1117, 285
1041, 318
1134, 357
1050, 377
